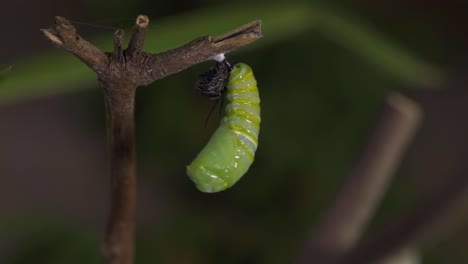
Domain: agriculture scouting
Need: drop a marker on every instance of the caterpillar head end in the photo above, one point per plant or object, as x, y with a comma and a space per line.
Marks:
205, 181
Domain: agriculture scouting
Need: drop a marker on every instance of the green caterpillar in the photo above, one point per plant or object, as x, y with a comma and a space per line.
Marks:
231, 149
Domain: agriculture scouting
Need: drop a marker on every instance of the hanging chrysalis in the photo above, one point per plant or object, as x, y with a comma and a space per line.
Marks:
231, 149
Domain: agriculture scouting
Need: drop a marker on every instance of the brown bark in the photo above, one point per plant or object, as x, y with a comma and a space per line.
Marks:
119, 74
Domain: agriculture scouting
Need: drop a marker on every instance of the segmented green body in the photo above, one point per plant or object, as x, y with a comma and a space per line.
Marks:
231, 149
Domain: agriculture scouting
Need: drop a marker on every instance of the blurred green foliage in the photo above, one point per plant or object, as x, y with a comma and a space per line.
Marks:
51, 240
322, 77
56, 71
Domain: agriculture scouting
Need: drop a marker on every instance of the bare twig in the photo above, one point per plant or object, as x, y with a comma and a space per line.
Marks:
202, 49
64, 35
344, 222
143, 68
119, 74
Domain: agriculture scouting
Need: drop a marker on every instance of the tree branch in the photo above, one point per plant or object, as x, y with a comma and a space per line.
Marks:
343, 223
119, 241
424, 220
119, 74
144, 68
64, 36
201, 49
138, 37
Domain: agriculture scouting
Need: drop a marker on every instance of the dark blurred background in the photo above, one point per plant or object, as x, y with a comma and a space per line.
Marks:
322, 83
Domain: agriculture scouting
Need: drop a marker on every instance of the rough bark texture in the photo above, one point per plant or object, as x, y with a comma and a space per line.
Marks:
143, 68
121, 223
119, 73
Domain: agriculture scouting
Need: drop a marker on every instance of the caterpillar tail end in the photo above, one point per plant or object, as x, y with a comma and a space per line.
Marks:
205, 181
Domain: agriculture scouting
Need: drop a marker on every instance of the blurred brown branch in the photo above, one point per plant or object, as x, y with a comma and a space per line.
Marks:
343, 223
119, 74
432, 216
406, 255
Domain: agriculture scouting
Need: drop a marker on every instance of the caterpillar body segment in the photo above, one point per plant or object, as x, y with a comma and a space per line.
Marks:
231, 149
